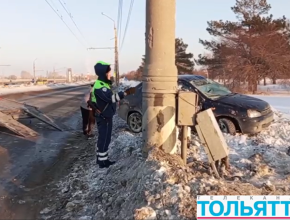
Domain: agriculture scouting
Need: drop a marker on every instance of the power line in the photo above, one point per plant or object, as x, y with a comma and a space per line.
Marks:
128, 21
52, 2
101, 48
65, 24
66, 5
71, 17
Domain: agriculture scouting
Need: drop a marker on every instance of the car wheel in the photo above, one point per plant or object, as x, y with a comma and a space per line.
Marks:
227, 126
135, 122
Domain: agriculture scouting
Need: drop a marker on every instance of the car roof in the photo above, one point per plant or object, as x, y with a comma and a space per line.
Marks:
186, 77
190, 77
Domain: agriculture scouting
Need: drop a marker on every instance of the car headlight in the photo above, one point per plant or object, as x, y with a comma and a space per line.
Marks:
253, 113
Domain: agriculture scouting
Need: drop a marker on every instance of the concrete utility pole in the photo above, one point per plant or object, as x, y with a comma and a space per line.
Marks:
116, 65
116, 50
116, 57
160, 77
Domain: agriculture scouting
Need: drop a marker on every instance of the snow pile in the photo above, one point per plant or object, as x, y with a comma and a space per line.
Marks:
160, 187
27, 88
265, 157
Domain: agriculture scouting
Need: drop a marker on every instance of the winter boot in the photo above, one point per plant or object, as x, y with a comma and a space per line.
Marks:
90, 136
105, 163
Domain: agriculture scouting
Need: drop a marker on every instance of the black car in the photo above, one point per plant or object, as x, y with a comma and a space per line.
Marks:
234, 112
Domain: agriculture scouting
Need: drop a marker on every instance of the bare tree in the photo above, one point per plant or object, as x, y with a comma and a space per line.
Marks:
25, 75
12, 77
133, 75
53, 75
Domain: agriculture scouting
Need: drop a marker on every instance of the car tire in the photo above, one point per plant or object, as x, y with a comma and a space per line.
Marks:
135, 122
227, 126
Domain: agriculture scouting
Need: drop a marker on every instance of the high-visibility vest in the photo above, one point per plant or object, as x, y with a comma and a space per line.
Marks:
98, 85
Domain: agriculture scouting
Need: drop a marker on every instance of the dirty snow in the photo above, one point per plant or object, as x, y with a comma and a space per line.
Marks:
160, 187
265, 157
28, 88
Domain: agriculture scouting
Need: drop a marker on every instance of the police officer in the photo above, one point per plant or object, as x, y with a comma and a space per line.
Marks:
104, 102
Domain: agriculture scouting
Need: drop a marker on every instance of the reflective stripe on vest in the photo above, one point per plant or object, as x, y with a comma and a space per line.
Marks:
98, 85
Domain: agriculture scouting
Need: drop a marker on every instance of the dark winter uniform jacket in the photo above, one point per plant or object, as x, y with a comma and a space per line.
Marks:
102, 95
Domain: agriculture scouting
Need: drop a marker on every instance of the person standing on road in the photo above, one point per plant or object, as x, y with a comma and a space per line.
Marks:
103, 100
87, 114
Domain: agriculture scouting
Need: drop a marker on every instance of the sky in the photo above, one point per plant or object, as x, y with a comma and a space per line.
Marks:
31, 31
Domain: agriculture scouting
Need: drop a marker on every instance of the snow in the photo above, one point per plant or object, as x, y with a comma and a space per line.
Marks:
262, 158
282, 87
160, 187
124, 84
28, 88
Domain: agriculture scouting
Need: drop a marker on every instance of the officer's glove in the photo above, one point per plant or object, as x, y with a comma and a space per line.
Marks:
130, 91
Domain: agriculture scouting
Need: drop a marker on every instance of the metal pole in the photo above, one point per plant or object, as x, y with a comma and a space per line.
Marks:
34, 70
184, 144
116, 50
159, 77
53, 74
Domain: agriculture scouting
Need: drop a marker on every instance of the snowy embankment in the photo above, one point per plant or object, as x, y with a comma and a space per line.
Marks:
160, 187
28, 88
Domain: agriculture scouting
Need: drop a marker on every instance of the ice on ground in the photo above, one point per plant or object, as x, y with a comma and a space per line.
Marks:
27, 88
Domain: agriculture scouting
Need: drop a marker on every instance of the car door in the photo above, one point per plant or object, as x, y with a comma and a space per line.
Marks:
131, 103
135, 100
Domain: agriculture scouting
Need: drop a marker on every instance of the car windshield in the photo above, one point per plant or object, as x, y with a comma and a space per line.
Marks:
210, 88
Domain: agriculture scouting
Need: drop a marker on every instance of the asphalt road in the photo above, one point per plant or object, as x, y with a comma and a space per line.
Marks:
23, 162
